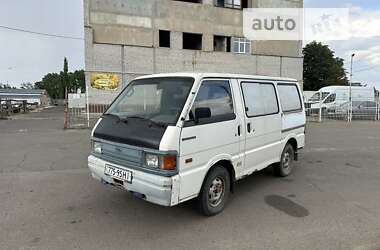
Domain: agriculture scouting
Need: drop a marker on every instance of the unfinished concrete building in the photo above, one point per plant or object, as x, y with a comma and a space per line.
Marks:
129, 38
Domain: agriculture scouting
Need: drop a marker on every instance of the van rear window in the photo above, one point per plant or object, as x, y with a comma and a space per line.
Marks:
289, 97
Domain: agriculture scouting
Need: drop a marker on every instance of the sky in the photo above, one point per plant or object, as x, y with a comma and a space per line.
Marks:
365, 39
26, 57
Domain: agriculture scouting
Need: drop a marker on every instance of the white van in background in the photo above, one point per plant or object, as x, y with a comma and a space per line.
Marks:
332, 97
169, 138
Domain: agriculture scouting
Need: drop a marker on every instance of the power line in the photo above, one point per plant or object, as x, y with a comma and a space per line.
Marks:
40, 33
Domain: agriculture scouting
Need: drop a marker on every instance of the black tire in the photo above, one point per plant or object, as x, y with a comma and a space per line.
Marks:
286, 164
217, 178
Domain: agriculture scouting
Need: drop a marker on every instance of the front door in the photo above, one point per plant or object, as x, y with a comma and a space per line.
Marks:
204, 140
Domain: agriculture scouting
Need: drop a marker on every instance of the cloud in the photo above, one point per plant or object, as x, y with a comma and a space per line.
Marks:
364, 40
371, 55
366, 61
328, 24
364, 23
365, 43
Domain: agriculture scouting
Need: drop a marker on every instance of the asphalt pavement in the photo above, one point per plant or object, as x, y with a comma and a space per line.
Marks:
49, 201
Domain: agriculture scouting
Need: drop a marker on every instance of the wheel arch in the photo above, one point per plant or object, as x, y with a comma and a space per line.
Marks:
226, 163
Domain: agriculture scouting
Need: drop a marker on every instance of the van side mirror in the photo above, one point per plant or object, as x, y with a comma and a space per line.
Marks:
201, 113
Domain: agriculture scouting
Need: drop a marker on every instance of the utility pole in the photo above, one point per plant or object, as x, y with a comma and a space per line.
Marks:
350, 95
65, 84
154, 11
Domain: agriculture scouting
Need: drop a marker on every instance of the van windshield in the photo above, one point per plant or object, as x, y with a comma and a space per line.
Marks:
319, 96
159, 100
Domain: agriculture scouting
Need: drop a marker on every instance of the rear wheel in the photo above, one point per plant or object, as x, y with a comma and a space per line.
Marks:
285, 166
214, 192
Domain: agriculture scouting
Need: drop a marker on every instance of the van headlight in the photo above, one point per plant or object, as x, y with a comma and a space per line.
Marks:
151, 160
97, 147
165, 162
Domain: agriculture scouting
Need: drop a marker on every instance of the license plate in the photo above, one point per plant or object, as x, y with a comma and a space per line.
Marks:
118, 173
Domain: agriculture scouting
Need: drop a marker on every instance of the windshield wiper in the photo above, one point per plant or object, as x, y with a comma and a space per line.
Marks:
158, 124
119, 119
112, 115
125, 119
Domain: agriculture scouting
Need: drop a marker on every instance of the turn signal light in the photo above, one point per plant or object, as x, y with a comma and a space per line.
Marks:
169, 162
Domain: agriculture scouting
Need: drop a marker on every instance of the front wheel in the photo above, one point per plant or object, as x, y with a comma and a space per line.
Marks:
285, 166
214, 192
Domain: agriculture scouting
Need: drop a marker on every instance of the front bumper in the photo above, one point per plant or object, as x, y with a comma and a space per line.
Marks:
153, 188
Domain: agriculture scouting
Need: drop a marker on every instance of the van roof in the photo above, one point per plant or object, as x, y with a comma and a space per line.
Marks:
335, 87
218, 75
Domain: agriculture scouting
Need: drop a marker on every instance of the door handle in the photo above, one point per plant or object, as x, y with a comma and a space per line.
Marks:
250, 128
189, 138
239, 130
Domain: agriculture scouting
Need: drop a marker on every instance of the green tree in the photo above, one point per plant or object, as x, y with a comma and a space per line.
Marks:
27, 85
321, 68
6, 86
77, 81
52, 83
55, 83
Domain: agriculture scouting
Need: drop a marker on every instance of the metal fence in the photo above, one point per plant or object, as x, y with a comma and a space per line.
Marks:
85, 117
361, 110
82, 114
342, 110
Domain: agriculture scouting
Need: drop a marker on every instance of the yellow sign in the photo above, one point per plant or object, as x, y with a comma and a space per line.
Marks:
106, 81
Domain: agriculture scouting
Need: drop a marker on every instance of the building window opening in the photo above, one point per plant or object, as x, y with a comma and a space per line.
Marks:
234, 4
190, 1
222, 43
244, 4
164, 37
241, 45
192, 41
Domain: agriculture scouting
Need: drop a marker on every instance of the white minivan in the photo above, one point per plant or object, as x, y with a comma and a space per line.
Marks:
331, 98
169, 138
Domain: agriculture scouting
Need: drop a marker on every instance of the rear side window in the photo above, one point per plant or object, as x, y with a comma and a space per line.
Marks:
369, 104
259, 98
289, 97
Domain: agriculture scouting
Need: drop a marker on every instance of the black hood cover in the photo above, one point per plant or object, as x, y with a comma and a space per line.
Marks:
133, 132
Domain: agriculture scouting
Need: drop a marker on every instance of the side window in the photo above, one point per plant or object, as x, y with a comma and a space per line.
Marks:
259, 98
330, 99
368, 104
269, 94
289, 97
216, 96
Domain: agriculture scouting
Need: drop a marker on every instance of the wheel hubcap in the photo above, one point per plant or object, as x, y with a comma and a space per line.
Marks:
216, 191
286, 160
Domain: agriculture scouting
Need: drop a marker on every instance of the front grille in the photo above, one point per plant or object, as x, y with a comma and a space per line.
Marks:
129, 157
122, 155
